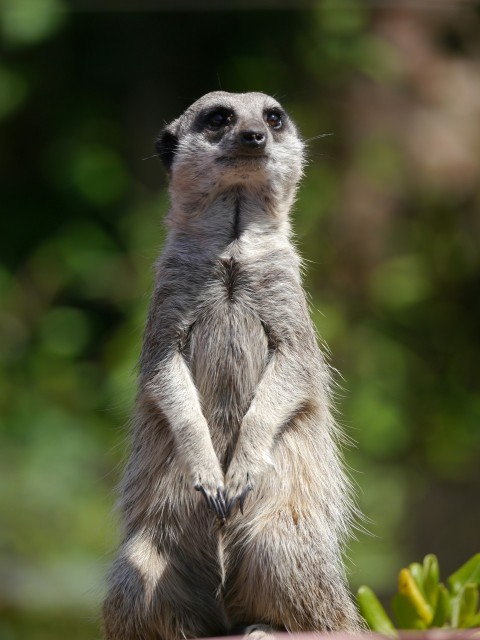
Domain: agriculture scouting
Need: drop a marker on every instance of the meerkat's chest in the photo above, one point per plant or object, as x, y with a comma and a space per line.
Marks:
228, 347
227, 329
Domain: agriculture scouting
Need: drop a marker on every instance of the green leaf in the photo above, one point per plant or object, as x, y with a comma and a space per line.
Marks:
468, 604
443, 607
405, 614
455, 613
474, 621
408, 587
373, 612
416, 571
469, 572
431, 574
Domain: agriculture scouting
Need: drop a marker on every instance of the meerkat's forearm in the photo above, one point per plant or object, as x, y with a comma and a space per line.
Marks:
174, 393
282, 389
280, 393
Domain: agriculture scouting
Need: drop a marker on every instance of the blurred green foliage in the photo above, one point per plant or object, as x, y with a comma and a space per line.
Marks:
389, 229
423, 602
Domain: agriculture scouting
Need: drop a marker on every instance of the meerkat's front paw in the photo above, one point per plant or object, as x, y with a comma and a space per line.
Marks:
237, 491
210, 484
239, 482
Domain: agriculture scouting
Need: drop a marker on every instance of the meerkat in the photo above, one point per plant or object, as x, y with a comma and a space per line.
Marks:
235, 504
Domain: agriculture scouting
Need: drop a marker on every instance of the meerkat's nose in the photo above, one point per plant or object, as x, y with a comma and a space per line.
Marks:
252, 139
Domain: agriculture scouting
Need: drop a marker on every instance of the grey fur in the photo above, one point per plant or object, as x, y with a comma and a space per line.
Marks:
233, 400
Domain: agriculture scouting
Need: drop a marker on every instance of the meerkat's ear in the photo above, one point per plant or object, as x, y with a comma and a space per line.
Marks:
166, 145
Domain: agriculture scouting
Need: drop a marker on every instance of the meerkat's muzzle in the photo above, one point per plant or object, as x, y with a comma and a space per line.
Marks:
251, 140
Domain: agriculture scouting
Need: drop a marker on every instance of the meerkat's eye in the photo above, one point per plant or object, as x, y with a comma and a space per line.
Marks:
219, 118
273, 119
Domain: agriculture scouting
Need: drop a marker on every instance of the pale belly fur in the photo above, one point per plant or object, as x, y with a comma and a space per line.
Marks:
228, 353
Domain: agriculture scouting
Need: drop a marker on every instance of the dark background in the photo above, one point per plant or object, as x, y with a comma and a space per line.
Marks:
388, 220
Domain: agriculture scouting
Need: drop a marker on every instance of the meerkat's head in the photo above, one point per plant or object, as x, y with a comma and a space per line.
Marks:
225, 140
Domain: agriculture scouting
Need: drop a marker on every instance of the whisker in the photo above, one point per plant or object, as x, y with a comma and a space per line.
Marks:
321, 135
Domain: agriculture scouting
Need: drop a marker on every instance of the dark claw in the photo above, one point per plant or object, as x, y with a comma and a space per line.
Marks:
229, 503
207, 496
212, 503
218, 504
221, 504
243, 497
215, 503
220, 511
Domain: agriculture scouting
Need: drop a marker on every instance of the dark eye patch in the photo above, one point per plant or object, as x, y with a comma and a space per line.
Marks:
216, 118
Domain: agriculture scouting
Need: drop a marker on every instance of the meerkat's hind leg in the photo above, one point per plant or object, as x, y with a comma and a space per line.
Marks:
163, 590
258, 632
